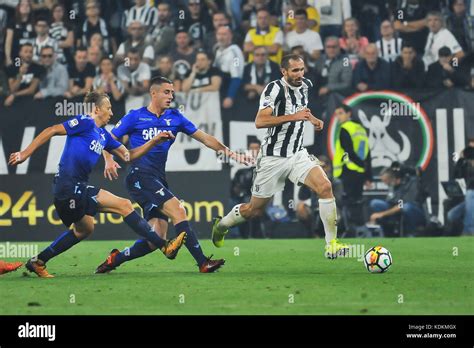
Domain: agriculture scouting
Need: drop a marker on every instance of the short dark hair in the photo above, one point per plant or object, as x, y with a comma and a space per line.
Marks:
133, 50
95, 97
344, 107
26, 44
408, 44
46, 48
263, 9
254, 140
285, 61
42, 19
81, 49
301, 12
206, 53
158, 80
444, 51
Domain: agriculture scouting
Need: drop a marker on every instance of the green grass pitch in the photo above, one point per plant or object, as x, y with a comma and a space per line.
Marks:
428, 276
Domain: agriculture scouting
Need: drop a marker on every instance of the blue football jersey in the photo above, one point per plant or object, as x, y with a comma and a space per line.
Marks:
84, 144
142, 125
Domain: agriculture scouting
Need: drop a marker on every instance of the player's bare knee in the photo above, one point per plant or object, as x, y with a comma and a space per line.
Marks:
83, 233
126, 207
325, 190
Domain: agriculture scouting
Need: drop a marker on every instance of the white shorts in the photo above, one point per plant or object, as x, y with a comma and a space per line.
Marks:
272, 171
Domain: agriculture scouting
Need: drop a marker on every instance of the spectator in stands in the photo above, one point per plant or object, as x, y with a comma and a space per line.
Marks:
19, 31
61, 31
230, 60
136, 31
97, 40
56, 80
371, 14
408, 71
389, 46
437, 38
162, 34
107, 82
95, 24
371, 72
23, 80
332, 14
401, 189
42, 8
307, 207
334, 74
302, 36
264, 34
259, 73
196, 21
312, 15
249, 13
143, 13
81, 75
351, 41
94, 56
219, 19
135, 77
461, 25
241, 192
183, 55
42, 38
447, 72
203, 77
464, 169
164, 68
410, 22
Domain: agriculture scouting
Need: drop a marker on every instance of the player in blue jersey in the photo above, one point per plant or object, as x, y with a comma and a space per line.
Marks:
146, 180
75, 200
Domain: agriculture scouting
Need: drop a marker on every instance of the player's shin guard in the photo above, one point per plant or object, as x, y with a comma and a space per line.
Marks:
139, 249
192, 242
328, 214
64, 242
141, 226
233, 218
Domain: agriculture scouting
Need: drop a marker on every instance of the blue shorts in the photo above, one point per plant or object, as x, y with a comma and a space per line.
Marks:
73, 201
149, 191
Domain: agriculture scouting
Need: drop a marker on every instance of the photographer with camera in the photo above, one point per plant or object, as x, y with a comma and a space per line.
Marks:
402, 200
464, 211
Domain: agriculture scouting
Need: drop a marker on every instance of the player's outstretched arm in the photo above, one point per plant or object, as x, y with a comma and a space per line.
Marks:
43, 137
111, 166
266, 119
214, 144
157, 139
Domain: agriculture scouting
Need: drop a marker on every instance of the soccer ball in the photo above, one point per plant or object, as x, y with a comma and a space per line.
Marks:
377, 259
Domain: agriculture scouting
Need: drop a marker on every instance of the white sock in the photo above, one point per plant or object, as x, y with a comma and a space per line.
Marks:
328, 214
233, 218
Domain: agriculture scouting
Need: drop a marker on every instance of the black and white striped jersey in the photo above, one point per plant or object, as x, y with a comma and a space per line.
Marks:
286, 139
147, 15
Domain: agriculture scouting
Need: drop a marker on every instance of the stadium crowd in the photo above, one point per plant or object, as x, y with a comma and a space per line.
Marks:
54, 48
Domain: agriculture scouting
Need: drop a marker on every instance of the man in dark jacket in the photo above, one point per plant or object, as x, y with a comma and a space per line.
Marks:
447, 72
408, 71
372, 72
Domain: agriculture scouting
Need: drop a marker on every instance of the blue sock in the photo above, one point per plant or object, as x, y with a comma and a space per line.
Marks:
139, 249
140, 226
65, 241
192, 242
